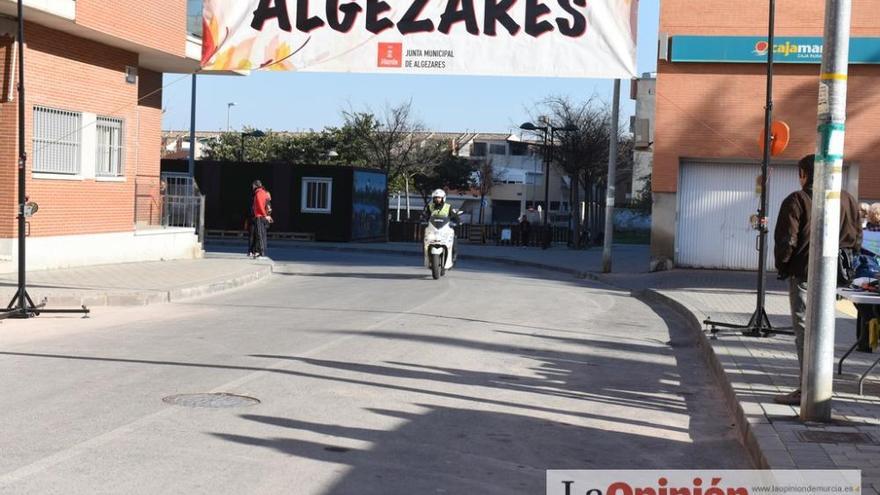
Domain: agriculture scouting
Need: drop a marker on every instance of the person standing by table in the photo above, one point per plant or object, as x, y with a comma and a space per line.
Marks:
792, 252
873, 224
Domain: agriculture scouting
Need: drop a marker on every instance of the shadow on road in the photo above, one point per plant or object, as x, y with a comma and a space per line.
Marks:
365, 275
578, 401
470, 449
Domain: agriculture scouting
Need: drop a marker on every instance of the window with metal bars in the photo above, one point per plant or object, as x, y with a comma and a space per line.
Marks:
317, 195
109, 141
57, 141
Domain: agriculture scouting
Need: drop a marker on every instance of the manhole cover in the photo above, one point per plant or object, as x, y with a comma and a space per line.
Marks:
816, 436
212, 401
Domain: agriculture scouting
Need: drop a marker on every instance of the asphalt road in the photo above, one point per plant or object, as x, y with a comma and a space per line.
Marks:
372, 379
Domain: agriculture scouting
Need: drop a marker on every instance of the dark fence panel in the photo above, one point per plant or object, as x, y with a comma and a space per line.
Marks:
497, 234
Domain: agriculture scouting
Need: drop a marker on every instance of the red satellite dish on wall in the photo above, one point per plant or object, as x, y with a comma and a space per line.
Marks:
780, 134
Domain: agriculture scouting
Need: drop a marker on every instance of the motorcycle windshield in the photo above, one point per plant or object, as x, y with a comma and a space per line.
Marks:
439, 223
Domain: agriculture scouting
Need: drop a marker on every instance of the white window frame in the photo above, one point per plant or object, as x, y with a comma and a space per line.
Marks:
52, 148
109, 151
306, 181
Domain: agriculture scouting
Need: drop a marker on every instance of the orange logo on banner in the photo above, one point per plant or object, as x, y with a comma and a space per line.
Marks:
390, 55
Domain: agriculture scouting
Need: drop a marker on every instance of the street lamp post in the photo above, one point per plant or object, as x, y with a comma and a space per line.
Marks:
228, 110
257, 134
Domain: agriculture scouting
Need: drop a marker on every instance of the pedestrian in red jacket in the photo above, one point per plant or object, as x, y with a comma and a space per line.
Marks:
262, 216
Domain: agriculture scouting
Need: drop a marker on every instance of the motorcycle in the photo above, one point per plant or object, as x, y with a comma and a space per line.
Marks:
439, 238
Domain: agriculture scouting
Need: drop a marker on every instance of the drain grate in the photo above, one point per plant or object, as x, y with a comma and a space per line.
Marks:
816, 436
211, 401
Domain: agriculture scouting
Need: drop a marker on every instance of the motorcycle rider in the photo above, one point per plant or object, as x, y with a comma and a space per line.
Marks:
439, 208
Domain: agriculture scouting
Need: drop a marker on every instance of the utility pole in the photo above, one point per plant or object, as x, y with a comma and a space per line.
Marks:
192, 131
23, 299
818, 371
548, 158
609, 188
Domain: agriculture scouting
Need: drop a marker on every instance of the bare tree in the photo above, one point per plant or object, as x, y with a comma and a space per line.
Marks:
393, 142
582, 155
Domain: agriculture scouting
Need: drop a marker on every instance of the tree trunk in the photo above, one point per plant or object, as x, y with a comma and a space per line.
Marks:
575, 208
406, 180
482, 201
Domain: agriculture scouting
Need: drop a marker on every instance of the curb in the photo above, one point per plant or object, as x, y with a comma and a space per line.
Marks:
746, 426
146, 298
264, 272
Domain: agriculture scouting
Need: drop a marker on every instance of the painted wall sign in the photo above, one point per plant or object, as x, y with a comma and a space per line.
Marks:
753, 49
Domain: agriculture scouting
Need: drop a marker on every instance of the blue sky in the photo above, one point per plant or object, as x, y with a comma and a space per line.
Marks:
297, 101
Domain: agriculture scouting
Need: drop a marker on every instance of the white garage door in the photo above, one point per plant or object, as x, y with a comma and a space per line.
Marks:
715, 201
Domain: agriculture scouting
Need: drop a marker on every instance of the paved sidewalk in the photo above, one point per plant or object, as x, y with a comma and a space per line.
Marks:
137, 284
753, 370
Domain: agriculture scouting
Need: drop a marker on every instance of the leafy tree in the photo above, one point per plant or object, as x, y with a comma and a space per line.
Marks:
299, 149
450, 172
349, 140
307, 149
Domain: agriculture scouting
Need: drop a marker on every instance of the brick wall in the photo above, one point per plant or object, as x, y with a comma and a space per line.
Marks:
147, 180
158, 24
8, 141
70, 73
716, 110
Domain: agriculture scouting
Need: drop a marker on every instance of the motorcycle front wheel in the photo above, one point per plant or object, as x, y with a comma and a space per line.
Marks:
435, 266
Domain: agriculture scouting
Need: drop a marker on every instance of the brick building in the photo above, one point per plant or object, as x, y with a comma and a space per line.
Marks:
711, 86
93, 79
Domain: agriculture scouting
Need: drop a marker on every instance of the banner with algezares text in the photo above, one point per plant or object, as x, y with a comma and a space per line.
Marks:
548, 38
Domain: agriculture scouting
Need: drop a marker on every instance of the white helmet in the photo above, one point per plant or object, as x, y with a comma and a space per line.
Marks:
439, 193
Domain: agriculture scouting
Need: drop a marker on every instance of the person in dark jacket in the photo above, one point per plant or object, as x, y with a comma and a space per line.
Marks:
524, 230
792, 251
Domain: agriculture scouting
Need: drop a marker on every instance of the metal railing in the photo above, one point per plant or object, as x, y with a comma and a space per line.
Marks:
500, 234
183, 204
174, 200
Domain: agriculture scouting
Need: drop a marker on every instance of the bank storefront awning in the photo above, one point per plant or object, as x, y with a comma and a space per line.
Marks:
753, 49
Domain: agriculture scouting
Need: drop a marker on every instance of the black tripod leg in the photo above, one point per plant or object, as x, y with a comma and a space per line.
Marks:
753, 327
12, 304
31, 306
766, 328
